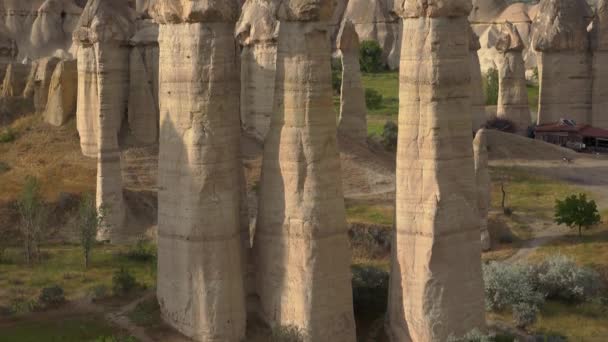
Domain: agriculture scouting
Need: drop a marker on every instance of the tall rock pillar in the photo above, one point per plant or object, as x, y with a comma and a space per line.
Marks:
436, 284
353, 110
599, 117
105, 28
482, 176
257, 31
301, 247
478, 98
564, 65
200, 261
512, 89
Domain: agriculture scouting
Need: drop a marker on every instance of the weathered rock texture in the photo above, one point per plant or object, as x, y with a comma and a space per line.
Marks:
353, 110
87, 98
478, 99
53, 25
105, 27
482, 175
257, 32
143, 83
301, 247
436, 284
61, 104
512, 86
8, 52
15, 79
39, 81
564, 67
200, 284
599, 117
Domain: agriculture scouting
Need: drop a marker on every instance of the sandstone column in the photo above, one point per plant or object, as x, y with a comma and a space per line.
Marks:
512, 89
200, 264
87, 94
353, 110
599, 117
482, 175
478, 99
564, 64
61, 104
38, 82
436, 283
301, 247
257, 32
15, 79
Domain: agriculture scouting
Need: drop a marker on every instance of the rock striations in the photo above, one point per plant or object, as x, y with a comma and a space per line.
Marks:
200, 284
564, 64
353, 110
512, 86
301, 248
599, 44
61, 104
436, 284
482, 175
478, 98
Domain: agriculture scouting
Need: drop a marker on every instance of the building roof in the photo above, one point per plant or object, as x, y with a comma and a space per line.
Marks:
572, 127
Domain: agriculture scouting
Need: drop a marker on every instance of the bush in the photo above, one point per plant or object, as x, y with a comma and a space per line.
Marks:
336, 75
558, 277
506, 238
4, 167
370, 290
524, 314
490, 87
52, 296
506, 285
143, 251
286, 334
123, 282
501, 124
99, 292
370, 56
473, 336
390, 134
373, 99
7, 136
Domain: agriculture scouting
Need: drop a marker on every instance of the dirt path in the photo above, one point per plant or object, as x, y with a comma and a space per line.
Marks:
120, 319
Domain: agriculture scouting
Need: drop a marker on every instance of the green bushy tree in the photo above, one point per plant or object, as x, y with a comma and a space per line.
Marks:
34, 214
370, 56
577, 212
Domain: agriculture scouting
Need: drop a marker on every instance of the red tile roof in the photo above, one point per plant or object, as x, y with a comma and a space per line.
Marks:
584, 130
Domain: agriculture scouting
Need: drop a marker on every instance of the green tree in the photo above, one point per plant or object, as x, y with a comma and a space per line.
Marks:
370, 56
490, 87
90, 218
577, 211
34, 215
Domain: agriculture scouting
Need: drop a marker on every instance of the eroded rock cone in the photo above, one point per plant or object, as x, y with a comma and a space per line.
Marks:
436, 287
61, 104
257, 32
15, 79
512, 87
353, 110
200, 285
39, 80
482, 175
599, 117
301, 247
564, 64
478, 98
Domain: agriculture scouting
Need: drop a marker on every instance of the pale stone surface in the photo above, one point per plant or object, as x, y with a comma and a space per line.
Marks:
353, 110
201, 238
143, 110
482, 175
61, 104
51, 30
436, 284
564, 66
512, 86
39, 81
257, 32
301, 247
599, 117
87, 100
478, 98
15, 79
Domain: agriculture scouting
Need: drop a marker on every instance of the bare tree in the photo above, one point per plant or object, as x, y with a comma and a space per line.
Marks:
34, 215
90, 218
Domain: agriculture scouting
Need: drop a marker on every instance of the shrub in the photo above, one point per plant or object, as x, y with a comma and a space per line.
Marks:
88, 223
506, 238
336, 75
558, 277
7, 135
373, 99
370, 290
524, 314
123, 282
501, 124
490, 87
4, 167
286, 334
52, 296
99, 292
23, 306
576, 212
370, 56
506, 285
390, 134
473, 336
34, 216
143, 251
